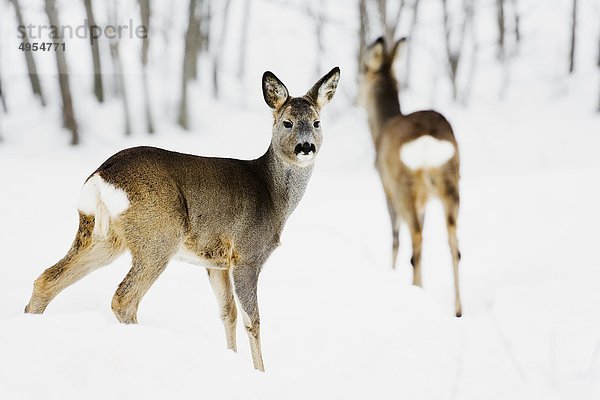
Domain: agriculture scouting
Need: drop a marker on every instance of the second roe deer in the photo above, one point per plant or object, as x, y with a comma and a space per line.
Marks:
224, 214
416, 157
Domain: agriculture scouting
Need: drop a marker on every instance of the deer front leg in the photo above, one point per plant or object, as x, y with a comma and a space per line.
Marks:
245, 281
221, 285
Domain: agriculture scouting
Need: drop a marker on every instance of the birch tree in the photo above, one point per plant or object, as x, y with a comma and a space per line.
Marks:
573, 37
69, 121
218, 50
189, 62
98, 87
145, 16
115, 56
30, 61
2, 98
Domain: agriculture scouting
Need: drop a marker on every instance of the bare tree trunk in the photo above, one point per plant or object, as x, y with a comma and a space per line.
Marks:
382, 8
98, 88
188, 63
598, 63
63, 76
219, 49
517, 22
145, 14
118, 66
241, 72
362, 32
454, 54
501, 29
468, 88
409, 44
573, 38
198, 41
206, 29
31, 67
389, 26
318, 16
2, 98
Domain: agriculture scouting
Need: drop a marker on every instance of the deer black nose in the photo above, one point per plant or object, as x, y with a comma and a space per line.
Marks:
305, 148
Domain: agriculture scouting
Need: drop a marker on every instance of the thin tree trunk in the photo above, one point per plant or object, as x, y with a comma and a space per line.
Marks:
98, 87
198, 41
573, 38
63, 76
3, 108
409, 43
362, 32
241, 72
219, 49
317, 14
598, 63
31, 66
188, 63
389, 27
501, 29
454, 55
145, 14
598, 102
118, 67
517, 22
468, 88
2, 98
207, 28
382, 8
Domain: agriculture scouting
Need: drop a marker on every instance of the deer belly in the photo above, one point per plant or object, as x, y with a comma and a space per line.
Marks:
218, 253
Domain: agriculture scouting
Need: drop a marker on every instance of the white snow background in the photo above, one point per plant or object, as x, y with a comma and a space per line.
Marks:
337, 322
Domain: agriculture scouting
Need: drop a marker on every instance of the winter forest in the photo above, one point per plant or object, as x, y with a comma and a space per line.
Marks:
519, 81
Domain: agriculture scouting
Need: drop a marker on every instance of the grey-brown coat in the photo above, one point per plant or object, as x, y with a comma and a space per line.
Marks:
416, 157
224, 214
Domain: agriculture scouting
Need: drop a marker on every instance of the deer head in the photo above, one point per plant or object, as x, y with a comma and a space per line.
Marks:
297, 135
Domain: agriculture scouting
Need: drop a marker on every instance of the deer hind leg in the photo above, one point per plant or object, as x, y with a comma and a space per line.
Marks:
412, 212
245, 280
88, 253
221, 285
451, 203
144, 272
395, 220
417, 240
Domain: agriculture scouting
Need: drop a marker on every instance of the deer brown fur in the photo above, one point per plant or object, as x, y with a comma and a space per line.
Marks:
224, 214
416, 157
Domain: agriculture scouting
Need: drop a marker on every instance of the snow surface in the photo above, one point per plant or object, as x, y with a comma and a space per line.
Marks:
337, 322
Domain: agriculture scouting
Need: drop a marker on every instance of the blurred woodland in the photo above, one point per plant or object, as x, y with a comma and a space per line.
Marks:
208, 25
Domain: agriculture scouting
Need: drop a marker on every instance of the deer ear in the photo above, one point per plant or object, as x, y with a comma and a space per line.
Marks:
322, 92
274, 92
375, 55
396, 49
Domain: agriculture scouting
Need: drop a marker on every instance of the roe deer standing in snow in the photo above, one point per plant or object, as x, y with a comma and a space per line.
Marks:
417, 157
224, 214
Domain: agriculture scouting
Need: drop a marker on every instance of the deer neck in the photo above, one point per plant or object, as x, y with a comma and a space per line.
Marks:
383, 103
286, 182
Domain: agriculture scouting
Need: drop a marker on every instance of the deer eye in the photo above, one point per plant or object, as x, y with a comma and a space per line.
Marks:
287, 124
317, 124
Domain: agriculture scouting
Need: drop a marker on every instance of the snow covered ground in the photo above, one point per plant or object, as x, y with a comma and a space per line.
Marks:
337, 322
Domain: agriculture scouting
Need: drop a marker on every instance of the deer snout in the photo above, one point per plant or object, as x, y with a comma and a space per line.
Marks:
305, 148
305, 151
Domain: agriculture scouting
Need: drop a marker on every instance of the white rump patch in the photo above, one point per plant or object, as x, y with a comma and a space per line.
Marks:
96, 191
426, 152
